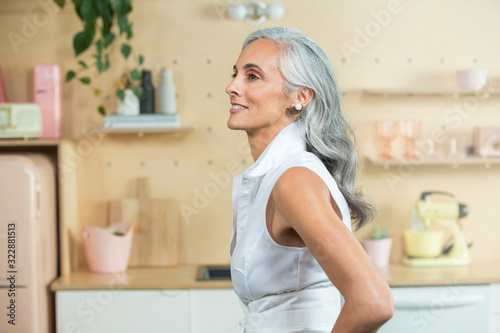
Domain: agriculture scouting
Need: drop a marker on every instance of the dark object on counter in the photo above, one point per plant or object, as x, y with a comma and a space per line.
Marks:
148, 93
213, 272
448, 248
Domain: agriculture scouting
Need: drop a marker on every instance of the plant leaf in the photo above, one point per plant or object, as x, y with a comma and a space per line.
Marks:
97, 92
60, 3
141, 59
89, 11
137, 90
103, 7
108, 38
122, 22
122, 7
134, 74
106, 62
89, 30
83, 64
126, 49
99, 64
101, 110
128, 31
81, 42
85, 80
78, 8
99, 46
120, 93
98, 56
70, 75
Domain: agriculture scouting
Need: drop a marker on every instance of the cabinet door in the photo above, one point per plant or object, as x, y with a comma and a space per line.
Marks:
453, 308
215, 311
495, 308
122, 311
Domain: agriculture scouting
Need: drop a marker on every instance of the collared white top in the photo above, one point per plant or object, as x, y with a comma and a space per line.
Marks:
259, 266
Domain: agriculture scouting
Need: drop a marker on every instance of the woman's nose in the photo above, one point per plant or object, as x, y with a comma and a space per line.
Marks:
233, 89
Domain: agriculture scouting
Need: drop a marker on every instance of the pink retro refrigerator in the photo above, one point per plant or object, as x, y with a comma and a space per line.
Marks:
47, 93
28, 243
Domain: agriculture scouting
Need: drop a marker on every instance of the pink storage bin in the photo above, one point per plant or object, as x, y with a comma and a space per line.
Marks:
107, 252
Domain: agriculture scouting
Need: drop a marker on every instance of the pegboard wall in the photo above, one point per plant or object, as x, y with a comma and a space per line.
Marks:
378, 44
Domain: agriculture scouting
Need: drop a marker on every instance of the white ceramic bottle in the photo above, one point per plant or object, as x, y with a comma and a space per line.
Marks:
167, 93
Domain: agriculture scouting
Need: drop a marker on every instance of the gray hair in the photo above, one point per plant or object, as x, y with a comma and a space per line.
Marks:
323, 122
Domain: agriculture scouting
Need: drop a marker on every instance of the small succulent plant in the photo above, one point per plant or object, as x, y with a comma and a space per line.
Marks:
379, 232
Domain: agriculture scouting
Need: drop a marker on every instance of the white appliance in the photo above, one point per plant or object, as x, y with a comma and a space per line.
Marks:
440, 309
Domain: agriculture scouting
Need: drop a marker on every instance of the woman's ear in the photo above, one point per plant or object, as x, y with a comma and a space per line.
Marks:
304, 96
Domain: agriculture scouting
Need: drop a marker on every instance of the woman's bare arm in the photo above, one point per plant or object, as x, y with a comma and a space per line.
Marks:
303, 202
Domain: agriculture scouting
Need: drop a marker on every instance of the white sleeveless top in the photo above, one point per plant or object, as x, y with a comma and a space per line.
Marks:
271, 277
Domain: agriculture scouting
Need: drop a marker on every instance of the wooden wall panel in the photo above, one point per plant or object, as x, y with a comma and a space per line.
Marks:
420, 44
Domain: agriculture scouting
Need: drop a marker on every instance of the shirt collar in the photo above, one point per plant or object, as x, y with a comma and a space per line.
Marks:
288, 141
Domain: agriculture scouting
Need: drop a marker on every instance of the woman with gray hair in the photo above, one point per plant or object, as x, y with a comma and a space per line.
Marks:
295, 264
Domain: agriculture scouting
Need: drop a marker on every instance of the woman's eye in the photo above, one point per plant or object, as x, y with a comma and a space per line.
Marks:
233, 75
253, 77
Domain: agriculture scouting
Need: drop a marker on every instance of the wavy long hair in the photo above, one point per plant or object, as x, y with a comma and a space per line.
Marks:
323, 122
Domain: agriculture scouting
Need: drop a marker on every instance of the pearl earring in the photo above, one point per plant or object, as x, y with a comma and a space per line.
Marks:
295, 109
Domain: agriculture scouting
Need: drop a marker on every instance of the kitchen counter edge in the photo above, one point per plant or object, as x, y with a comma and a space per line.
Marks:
184, 277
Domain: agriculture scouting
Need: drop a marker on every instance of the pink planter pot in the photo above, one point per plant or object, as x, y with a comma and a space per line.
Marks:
107, 252
379, 250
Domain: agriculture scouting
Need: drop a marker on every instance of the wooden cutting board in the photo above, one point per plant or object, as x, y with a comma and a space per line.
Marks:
155, 239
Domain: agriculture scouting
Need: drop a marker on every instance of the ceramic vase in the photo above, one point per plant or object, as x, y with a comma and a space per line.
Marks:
130, 104
379, 250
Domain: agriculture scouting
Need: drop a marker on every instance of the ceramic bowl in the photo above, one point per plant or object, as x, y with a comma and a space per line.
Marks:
423, 244
473, 79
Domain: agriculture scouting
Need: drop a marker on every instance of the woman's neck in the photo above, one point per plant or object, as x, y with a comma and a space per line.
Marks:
259, 140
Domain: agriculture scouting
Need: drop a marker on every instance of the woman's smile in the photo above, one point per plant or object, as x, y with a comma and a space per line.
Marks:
237, 107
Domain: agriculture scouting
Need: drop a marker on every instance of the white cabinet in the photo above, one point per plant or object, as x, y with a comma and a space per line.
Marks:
451, 308
214, 311
151, 311
122, 311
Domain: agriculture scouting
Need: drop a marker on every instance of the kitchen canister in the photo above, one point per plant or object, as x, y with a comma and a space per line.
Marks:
167, 99
147, 104
108, 250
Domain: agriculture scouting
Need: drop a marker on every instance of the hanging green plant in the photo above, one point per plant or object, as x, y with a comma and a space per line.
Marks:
98, 18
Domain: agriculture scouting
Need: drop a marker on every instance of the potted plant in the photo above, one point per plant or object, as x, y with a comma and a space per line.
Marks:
128, 104
378, 245
100, 19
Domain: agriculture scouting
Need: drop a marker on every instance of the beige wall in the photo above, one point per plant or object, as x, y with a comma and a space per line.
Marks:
420, 45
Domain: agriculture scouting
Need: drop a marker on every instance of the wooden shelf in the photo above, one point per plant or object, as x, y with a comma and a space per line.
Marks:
453, 162
429, 92
141, 131
28, 142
